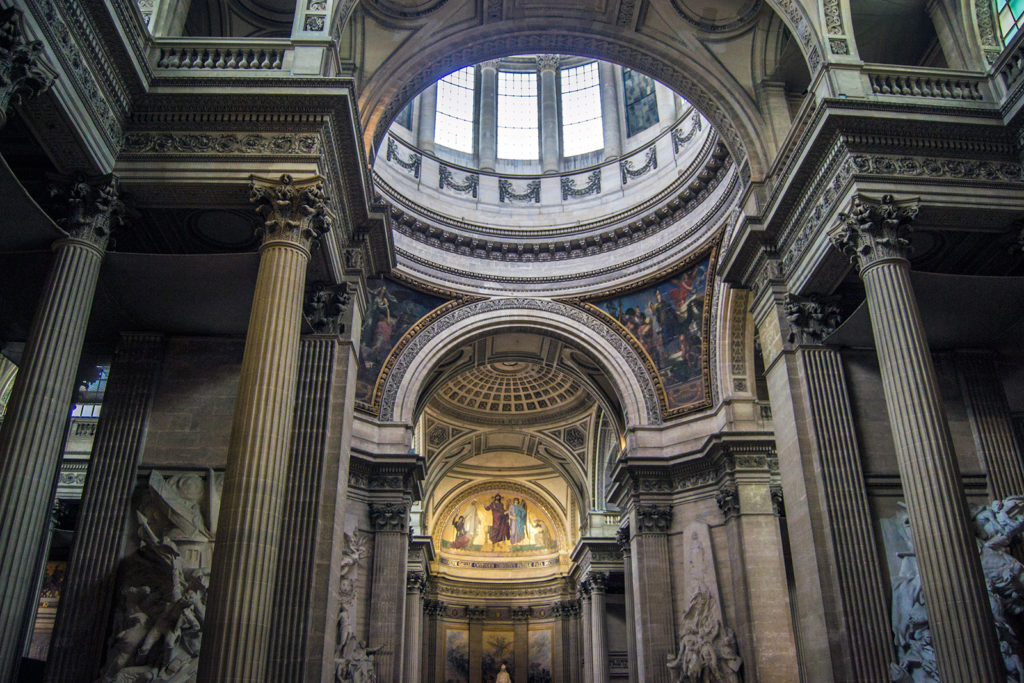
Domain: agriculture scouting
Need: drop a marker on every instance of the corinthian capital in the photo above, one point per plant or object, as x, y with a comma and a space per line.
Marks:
389, 517
23, 73
91, 207
811, 318
653, 519
325, 306
872, 231
547, 62
291, 209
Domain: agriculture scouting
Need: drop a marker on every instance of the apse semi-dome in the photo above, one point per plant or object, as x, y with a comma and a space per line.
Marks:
549, 173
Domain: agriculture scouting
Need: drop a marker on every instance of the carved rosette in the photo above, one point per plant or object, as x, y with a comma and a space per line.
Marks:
325, 306
91, 207
23, 74
393, 517
292, 210
872, 231
653, 519
728, 499
811, 319
521, 613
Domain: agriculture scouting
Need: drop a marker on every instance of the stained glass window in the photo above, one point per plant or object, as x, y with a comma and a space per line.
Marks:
1011, 17
453, 125
581, 110
641, 101
518, 131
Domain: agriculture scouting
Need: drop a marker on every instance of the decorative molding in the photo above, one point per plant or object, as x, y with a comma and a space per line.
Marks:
221, 143
217, 58
391, 517
415, 582
802, 27
521, 613
873, 231
325, 306
506, 191
778, 500
839, 46
679, 139
413, 165
593, 186
548, 62
833, 17
738, 23
470, 184
653, 519
404, 357
627, 170
476, 613
291, 209
728, 500
91, 207
23, 73
811, 319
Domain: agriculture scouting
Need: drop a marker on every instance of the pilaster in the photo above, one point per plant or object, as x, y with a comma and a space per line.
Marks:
610, 110
476, 617
654, 621
88, 592
33, 428
415, 584
521, 642
387, 589
243, 576
875, 235
586, 627
597, 582
622, 538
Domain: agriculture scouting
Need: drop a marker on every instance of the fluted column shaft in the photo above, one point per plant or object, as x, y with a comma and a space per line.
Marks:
575, 643
487, 131
88, 591
956, 598
586, 625
991, 424
242, 580
599, 629
33, 430
627, 574
413, 627
387, 588
653, 619
549, 131
609, 110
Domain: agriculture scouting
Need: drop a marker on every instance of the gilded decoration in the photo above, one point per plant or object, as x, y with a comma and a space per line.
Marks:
499, 525
669, 321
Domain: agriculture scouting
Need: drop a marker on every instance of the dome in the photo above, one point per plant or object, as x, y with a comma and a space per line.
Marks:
512, 176
511, 386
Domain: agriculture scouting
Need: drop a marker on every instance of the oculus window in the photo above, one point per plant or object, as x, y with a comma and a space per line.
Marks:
1011, 18
453, 125
641, 101
518, 131
581, 110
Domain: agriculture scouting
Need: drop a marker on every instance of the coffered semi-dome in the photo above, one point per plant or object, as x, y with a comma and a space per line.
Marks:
544, 173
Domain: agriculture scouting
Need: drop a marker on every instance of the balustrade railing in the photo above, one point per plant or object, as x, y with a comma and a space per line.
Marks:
263, 55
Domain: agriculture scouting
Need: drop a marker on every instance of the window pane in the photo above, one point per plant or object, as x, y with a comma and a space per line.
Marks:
582, 131
453, 126
518, 133
641, 101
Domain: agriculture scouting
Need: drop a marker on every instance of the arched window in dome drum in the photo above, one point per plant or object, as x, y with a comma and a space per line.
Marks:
582, 130
453, 126
518, 129
641, 101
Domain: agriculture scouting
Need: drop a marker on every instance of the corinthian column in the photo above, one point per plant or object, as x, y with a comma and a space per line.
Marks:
242, 579
88, 591
599, 640
654, 623
549, 133
875, 234
387, 589
32, 432
23, 73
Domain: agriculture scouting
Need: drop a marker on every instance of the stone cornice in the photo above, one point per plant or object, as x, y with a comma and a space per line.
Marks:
387, 477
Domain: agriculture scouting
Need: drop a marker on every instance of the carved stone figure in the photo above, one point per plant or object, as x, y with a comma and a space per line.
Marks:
353, 663
998, 527
161, 606
707, 647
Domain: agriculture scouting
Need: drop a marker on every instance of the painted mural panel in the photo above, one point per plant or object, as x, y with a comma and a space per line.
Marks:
539, 656
667, 319
393, 309
498, 649
499, 522
456, 656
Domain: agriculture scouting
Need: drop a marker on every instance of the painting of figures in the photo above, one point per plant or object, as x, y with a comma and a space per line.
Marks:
539, 656
498, 650
499, 521
393, 309
456, 656
668, 320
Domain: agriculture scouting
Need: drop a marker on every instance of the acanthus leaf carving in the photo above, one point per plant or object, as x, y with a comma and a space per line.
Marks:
325, 307
91, 207
873, 231
811, 319
291, 209
23, 73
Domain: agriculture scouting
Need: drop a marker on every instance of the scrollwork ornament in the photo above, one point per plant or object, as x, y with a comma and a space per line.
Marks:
874, 231
291, 209
653, 519
91, 207
23, 73
325, 306
389, 517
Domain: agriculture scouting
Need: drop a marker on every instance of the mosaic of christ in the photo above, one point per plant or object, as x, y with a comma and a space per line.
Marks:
499, 522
